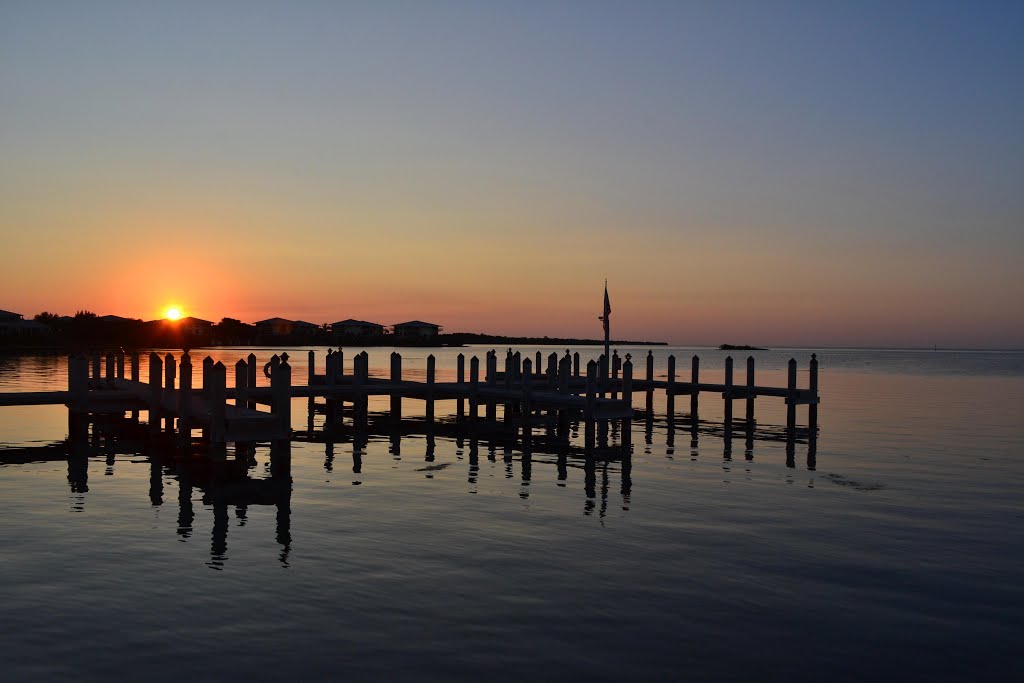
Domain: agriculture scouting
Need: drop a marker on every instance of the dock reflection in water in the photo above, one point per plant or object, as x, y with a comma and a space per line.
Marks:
234, 481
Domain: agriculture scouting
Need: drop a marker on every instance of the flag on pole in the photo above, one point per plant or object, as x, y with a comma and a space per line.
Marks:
607, 308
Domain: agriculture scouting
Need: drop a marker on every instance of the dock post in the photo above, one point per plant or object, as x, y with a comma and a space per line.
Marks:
357, 387
281, 390
527, 380
588, 411
339, 365
396, 385
616, 366
537, 366
552, 370
395, 368
311, 368
695, 381
155, 372
603, 365
96, 368
330, 377
750, 390
474, 387
120, 363
592, 370
812, 408
431, 376
460, 378
136, 375
78, 382
791, 402
217, 402
728, 405
650, 381
110, 369
564, 368
185, 399
576, 364
207, 369
251, 376
170, 371
627, 398
670, 386
170, 374
241, 383
491, 410
627, 382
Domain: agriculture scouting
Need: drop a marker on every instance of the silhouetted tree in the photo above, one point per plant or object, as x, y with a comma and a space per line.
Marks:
46, 318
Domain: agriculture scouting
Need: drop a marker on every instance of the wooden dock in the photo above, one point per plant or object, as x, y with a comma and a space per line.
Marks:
527, 389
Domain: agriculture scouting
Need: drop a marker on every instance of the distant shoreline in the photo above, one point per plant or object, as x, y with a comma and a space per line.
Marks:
455, 339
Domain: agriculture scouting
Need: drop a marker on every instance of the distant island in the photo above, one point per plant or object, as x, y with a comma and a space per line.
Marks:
740, 347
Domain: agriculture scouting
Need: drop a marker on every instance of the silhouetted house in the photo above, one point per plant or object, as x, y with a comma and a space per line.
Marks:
302, 328
416, 328
114, 319
195, 327
275, 327
14, 324
356, 328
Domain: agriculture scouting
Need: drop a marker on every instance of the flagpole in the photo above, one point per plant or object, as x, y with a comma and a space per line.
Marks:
607, 327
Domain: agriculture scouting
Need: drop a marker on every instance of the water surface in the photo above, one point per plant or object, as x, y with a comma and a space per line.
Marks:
894, 552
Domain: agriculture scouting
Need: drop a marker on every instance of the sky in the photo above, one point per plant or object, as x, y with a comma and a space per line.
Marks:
768, 173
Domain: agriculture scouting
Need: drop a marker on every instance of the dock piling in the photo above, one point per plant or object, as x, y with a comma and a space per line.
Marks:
694, 380
474, 387
791, 402
185, 399
218, 390
728, 405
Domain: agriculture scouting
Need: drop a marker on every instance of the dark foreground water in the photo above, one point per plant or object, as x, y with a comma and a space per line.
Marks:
896, 553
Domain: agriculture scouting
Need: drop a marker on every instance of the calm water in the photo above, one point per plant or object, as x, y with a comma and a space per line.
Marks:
895, 553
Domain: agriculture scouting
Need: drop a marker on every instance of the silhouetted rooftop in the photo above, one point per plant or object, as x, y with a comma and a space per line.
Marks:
416, 323
352, 321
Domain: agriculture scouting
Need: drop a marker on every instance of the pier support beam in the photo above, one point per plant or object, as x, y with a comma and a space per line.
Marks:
460, 378
791, 406
670, 391
728, 405
431, 370
155, 391
396, 381
217, 397
281, 393
185, 400
474, 387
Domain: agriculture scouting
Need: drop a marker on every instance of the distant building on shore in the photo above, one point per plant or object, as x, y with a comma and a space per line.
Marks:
14, 324
303, 328
195, 327
356, 328
416, 329
282, 327
275, 327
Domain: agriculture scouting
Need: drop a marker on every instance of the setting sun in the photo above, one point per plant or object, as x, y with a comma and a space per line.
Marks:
173, 313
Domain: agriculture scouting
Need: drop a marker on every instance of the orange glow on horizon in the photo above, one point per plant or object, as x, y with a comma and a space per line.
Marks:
173, 313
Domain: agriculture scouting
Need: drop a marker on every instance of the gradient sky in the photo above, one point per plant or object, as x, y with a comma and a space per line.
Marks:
748, 172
